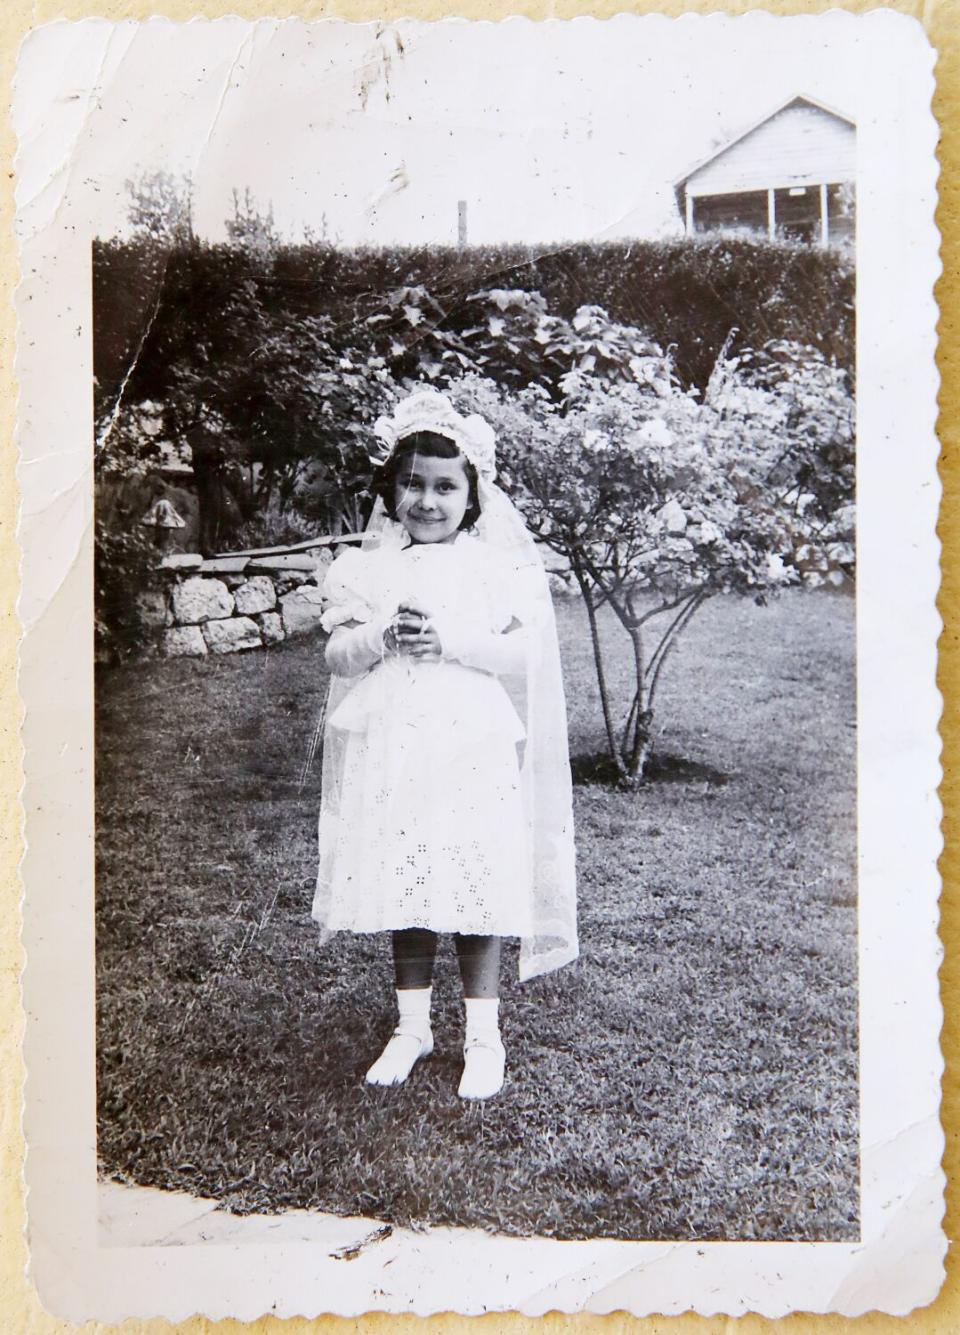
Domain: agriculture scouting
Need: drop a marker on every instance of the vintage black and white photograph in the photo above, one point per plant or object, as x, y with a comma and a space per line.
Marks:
474, 448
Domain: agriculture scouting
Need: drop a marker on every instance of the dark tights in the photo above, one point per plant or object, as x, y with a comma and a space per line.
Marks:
415, 948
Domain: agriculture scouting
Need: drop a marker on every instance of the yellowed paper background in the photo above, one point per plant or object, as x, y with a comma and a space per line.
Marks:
20, 1310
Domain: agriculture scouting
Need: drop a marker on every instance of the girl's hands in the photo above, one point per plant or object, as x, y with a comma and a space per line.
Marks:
411, 634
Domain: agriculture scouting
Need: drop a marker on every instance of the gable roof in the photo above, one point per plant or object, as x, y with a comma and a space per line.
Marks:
791, 101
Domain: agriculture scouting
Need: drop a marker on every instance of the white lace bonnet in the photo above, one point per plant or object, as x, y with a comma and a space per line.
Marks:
429, 410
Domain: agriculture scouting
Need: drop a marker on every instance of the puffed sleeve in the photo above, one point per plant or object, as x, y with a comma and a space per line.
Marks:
517, 592
349, 615
493, 636
346, 594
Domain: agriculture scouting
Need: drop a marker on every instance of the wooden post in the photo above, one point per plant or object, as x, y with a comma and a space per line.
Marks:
461, 223
688, 199
771, 214
824, 217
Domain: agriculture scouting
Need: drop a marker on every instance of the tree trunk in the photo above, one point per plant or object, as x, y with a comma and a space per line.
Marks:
206, 457
640, 743
637, 742
612, 746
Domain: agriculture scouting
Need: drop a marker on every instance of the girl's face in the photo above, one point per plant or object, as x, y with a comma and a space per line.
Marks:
431, 497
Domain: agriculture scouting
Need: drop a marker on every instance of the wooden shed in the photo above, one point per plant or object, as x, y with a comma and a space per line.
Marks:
791, 174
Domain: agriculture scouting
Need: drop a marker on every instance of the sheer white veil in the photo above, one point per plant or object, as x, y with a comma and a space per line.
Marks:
539, 698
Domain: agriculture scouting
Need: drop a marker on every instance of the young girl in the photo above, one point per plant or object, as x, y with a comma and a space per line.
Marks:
446, 801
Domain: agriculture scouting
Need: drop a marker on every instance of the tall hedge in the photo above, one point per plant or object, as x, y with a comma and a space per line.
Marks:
687, 295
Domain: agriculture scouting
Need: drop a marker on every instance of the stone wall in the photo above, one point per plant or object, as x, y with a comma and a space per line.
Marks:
229, 603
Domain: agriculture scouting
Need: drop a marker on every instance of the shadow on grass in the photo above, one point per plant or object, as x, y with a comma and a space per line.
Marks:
600, 768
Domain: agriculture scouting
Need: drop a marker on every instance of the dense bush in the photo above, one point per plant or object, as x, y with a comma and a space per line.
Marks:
125, 574
260, 388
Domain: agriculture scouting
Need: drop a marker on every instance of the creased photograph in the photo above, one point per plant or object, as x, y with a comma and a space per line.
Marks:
502, 651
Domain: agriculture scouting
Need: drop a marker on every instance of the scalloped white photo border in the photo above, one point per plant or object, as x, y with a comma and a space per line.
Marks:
63, 71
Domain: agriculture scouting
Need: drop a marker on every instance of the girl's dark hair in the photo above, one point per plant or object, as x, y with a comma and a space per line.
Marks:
434, 446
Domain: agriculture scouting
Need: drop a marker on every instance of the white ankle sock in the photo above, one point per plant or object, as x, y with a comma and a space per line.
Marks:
411, 1040
483, 1017
413, 1007
483, 1054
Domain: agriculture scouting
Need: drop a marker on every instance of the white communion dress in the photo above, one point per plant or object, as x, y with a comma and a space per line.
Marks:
427, 827
446, 800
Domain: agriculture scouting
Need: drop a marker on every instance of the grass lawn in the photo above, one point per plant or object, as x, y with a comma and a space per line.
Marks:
693, 1075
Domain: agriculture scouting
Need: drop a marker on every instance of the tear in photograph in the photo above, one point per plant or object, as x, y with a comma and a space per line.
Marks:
479, 572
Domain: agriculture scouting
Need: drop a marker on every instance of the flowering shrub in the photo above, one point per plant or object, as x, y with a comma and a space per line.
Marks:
797, 412
659, 499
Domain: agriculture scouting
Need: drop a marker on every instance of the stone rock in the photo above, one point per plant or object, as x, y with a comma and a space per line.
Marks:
256, 594
183, 642
153, 609
182, 561
271, 627
233, 581
291, 579
301, 610
231, 634
198, 599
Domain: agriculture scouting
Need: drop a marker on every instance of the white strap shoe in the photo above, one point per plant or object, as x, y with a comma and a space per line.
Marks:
399, 1057
484, 1062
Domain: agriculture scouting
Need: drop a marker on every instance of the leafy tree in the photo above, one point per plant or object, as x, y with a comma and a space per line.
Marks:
192, 341
161, 208
684, 294
268, 394
249, 226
